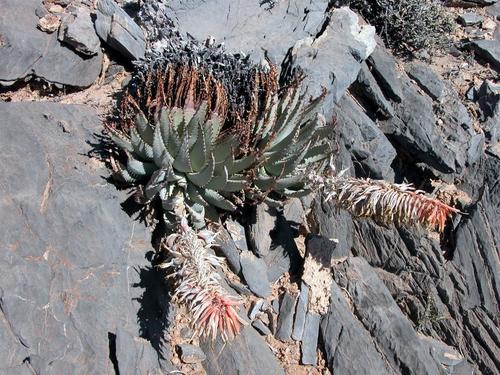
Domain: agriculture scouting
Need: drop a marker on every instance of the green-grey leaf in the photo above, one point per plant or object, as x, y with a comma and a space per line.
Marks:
123, 175
242, 164
203, 177
286, 182
296, 193
224, 148
199, 154
196, 121
141, 149
235, 184
194, 195
144, 129
140, 168
219, 180
317, 153
273, 202
121, 142
217, 200
182, 162
160, 154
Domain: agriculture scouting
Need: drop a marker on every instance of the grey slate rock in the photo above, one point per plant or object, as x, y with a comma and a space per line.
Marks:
261, 327
479, 231
371, 151
275, 304
77, 30
134, 355
461, 289
383, 67
426, 78
294, 212
488, 98
29, 52
254, 270
284, 255
471, 94
489, 104
443, 353
237, 233
470, 19
489, 50
327, 45
332, 223
256, 309
327, 56
76, 264
115, 27
247, 354
343, 335
367, 89
285, 317
300, 313
494, 11
381, 316
310, 339
191, 353
415, 134
475, 150
227, 246
262, 223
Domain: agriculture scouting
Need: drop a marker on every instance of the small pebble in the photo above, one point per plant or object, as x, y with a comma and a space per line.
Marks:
191, 353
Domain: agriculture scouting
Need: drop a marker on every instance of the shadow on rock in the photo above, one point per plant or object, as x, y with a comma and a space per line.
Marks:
155, 313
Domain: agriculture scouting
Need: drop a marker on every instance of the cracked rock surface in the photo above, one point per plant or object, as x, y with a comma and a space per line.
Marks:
73, 263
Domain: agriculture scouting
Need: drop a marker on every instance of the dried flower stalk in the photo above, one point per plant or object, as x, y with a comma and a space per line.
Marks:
384, 202
192, 267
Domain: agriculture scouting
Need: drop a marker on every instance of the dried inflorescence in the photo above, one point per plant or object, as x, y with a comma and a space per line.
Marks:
384, 202
192, 266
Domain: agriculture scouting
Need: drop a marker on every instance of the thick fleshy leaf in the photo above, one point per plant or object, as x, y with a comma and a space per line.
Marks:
273, 202
219, 180
287, 123
161, 156
317, 154
121, 141
311, 110
241, 164
144, 128
296, 193
286, 166
122, 174
140, 168
177, 119
236, 183
224, 149
270, 119
203, 177
195, 196
199, 153
195, 122
212, 129
217, 200
155, 184
286, 182
182, 162
264, 182
141, 149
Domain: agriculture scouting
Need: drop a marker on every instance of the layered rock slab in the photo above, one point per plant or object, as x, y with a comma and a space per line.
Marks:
73, 292
26, 51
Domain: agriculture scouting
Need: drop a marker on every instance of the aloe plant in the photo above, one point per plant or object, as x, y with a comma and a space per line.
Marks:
185, 158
